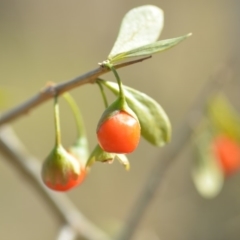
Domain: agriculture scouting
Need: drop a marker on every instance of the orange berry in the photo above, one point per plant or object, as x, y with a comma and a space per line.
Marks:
120, 133
228, 153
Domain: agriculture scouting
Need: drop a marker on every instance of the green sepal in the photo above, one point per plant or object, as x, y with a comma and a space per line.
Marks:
119, 104
225, 119
99, 155
80, 150
155, 125
149, 49
59, 166
122, 158
207, 174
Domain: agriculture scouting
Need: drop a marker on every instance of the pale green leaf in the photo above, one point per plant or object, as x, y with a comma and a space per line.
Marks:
140, 26
148, 50
155, 125
224, 117
207, 174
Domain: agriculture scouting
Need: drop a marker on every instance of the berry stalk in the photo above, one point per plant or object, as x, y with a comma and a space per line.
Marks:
57, 121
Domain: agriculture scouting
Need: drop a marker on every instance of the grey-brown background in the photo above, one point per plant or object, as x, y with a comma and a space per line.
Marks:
56, 40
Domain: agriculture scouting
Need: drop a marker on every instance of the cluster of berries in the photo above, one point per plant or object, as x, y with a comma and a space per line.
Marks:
118, 132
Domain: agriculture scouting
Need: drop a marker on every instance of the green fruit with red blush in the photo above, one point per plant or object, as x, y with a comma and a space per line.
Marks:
61, 171
120, 133
227, 152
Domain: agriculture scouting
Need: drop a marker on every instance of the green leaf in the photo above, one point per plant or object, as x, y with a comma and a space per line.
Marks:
207, 174
224, 117
155, 125
140, 26
148, 50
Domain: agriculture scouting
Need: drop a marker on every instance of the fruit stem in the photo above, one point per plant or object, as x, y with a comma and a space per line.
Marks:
121, 91
103, 93
57, 121
77, 115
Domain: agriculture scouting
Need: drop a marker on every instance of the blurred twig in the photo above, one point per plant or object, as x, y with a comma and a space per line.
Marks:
67, 233
51, 90
155, 177
29, 168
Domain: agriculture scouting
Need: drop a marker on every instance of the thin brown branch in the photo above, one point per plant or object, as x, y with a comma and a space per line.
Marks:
50, 91
171, 153
29, 168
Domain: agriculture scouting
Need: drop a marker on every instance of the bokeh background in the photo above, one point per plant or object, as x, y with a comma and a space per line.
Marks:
56, 40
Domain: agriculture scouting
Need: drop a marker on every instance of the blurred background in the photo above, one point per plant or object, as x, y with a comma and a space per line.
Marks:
56, 40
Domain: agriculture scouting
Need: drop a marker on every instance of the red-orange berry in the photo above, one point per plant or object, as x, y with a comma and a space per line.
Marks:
227, 152
120, 133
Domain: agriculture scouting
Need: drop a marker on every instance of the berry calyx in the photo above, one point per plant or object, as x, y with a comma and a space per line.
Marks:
227, 152
99, 155
119, 133
61, 171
